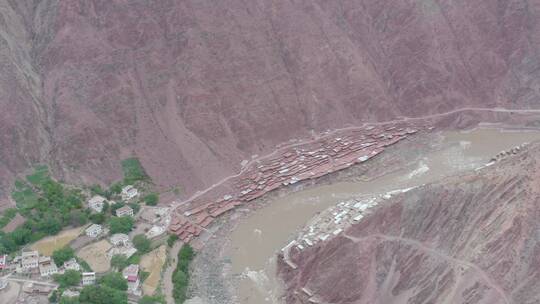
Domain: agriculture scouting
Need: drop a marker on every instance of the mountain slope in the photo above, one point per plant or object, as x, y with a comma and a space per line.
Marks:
466, 239
194, 87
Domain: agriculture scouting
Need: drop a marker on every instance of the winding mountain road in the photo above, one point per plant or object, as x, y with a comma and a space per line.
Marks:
439, 254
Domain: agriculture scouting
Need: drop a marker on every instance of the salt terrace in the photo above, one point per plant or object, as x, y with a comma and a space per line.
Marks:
291, 165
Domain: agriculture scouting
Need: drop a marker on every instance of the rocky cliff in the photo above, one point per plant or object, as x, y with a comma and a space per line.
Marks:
467, 239
194, 87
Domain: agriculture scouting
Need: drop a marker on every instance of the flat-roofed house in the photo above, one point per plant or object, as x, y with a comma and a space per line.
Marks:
47, 267
72, 265
29, 260
131, 274
88, 278
129, 192
93, 230
124, 211
96, 203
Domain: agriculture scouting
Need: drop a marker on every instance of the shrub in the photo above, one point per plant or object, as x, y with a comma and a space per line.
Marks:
114, 280
119, 261
151, 199
180, 276
172, 239
142, 243
62, 255
120, 224
69, 278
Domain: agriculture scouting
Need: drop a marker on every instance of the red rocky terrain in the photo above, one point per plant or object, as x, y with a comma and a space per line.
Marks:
467, 239
192, 88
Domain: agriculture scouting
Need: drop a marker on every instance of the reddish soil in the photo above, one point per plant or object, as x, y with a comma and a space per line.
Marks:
194, 87
466, 239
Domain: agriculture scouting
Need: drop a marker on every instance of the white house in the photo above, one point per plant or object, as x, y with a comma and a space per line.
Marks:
72, 265
47, 267
124, 211
120, 239
96, 203
29, 260
131, 274
94, 230
129, 192
88, 278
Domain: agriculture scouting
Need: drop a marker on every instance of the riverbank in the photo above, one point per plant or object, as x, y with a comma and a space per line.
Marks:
218, 275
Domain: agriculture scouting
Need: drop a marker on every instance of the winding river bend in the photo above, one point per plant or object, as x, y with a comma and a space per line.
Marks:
256, 240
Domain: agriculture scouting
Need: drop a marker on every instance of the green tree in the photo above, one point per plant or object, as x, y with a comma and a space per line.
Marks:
142, 243
21, 236
69, 278
151, 199
97, 218
97, 190
120, 224
116, 188
114, 280
172, 239
53, 298
100, 294
180, 277
119, 261
62, 255
78, 218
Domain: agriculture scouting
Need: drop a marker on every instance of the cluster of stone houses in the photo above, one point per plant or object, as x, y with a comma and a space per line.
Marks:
97, 202
129, 192
33, 262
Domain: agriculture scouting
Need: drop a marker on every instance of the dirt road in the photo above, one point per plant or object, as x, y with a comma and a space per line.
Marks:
166, 283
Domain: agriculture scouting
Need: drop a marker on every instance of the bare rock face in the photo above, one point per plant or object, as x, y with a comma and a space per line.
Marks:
194, 87
468, 239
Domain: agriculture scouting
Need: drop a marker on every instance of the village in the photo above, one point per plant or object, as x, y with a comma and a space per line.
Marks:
290, 166
33, 275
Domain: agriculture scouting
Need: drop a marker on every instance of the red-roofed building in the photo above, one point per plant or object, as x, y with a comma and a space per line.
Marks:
131, 274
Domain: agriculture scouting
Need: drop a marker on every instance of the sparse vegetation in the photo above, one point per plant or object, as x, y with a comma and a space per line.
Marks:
180, 276
8, 215
133, 171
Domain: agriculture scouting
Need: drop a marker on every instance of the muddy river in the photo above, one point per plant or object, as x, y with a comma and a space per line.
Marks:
256, 240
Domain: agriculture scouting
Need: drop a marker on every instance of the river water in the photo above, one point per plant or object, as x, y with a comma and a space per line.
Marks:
256, 239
